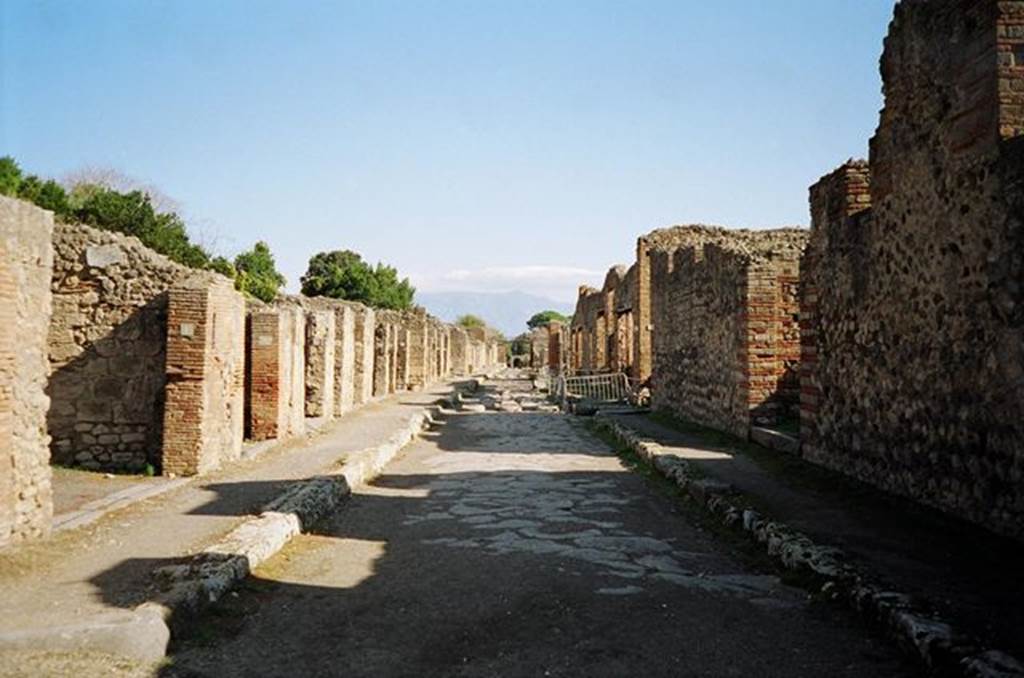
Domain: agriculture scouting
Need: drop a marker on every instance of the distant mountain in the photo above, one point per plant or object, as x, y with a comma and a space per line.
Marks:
505, 311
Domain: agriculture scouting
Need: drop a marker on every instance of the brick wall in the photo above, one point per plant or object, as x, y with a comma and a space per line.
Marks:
320, 363
917, 379
204, 413
106, 348
26, 259
275, 373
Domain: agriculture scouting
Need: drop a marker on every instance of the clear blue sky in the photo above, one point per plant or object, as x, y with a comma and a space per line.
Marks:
462, 141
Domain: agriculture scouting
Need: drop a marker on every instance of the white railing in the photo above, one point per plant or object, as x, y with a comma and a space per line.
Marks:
611, 387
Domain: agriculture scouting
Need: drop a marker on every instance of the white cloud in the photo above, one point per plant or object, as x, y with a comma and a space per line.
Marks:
557, 282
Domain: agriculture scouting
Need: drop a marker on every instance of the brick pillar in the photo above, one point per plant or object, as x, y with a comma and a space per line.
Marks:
320, 363
204, 410
365, 354
275, 395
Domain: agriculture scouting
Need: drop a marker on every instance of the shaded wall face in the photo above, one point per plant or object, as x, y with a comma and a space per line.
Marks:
698, 337
919, 345
26, 258
106, 348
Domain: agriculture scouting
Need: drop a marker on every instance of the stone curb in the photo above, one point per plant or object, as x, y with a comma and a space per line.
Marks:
934, 641
188, 589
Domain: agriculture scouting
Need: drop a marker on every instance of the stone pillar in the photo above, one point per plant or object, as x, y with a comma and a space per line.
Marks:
320, 363
401, 356
276, 391
365, 326
417, 353
204, 411
383, 337
26, 261
459, 351
345, 357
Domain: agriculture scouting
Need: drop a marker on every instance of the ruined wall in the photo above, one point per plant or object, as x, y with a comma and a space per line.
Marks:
275, 372
725, 337
320, 363
26, 258
204, 412
917, 382
107, 342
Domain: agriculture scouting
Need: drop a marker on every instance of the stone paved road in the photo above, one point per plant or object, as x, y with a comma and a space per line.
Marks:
516, 544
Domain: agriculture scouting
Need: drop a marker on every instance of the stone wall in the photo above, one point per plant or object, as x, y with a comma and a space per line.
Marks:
320, 363
725, 339
26, 260
275, 372
107, 342
914, 297
204, 412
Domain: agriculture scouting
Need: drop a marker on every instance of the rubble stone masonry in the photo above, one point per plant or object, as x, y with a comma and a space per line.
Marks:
725, 337
913, 298
107, 342
26, 260
204, 413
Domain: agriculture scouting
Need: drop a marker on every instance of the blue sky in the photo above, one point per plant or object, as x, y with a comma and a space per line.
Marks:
475, 145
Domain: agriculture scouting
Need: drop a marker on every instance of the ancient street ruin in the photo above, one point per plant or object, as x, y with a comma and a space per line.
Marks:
784, 451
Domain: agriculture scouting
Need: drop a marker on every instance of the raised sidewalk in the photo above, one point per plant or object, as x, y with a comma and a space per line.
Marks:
954, 589
106, 567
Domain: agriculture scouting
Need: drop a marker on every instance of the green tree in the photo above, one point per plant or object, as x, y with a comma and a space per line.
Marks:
469, 320
223, 266
10, 176
544, 317
133, 214
46, 194
342, 274
257, 274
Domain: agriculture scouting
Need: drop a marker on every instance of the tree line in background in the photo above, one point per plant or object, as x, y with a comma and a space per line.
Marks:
109, 202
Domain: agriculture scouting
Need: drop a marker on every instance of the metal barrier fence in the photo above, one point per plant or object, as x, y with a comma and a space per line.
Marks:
613, 387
